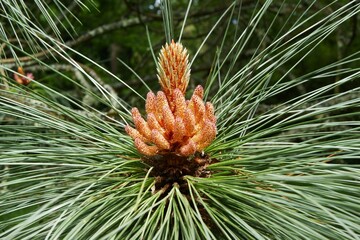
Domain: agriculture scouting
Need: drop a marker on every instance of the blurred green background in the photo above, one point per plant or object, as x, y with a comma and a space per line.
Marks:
106, 31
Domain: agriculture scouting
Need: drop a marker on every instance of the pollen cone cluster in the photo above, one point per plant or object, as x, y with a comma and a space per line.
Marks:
20, 77
173, 124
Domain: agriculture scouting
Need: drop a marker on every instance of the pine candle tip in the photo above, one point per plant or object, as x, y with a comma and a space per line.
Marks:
173, 68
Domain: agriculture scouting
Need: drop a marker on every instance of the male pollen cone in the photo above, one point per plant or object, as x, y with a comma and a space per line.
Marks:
21, 78
173, 123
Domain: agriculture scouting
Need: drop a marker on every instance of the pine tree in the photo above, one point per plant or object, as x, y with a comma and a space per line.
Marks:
218, 163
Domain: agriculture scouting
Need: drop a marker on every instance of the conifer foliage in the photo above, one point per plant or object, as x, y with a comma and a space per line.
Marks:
265, 145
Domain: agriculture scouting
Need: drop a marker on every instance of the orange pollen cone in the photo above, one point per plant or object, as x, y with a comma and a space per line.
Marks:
174, 124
